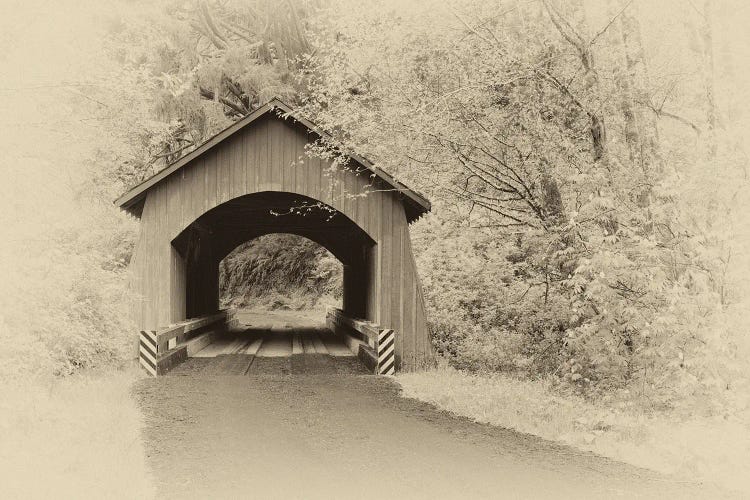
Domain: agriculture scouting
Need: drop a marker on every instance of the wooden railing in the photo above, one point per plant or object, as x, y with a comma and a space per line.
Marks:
373, 344
163, 349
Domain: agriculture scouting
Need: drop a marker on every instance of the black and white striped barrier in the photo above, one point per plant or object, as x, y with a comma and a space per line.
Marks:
386, 352
161, 350
147, 351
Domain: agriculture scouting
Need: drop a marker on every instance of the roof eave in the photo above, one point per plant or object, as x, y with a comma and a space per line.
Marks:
131, 200
144, 186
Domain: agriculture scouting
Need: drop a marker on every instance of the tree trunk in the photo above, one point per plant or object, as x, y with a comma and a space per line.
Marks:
700, 39
571, 32
708, 76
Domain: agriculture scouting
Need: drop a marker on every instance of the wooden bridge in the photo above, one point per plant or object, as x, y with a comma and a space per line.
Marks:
268, 342
255, 178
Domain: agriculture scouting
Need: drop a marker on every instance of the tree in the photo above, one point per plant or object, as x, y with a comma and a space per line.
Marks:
559, 156
527, 127
196, 67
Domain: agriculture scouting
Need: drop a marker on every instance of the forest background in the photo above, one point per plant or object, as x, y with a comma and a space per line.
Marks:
586, 255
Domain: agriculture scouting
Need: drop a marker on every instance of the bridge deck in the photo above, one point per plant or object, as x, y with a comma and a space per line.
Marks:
277, 342
274, 343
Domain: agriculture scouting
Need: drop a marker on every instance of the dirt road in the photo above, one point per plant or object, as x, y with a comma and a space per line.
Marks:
312, 426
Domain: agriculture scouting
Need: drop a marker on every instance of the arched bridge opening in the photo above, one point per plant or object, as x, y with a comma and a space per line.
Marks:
281, 271
211, 237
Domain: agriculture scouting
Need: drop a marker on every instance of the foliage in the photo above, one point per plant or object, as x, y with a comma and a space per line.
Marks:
565, 176
560, 242
196, 67
66, 301
271, 269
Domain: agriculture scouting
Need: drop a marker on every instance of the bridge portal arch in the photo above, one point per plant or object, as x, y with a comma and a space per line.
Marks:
203, 244
255, 178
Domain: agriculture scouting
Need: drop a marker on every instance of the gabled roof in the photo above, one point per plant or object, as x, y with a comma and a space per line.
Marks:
416, 205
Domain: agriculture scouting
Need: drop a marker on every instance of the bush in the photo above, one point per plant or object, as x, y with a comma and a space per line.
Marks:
614, 326
65, 304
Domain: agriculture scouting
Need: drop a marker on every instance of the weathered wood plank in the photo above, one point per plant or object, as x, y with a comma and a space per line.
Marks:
350, 202
372, 280
264, 165
276, 156
300, 166
397, 221
410, 304
386, 259
237, 167
174, 207
177, 292
360, 217
149, 245
287, 176
164, 303
250, 137
314, 177
224, 172
212, 188
196, 190
405, 289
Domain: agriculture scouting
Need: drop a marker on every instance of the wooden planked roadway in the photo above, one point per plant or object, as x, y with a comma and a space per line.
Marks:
274, 342
274, 350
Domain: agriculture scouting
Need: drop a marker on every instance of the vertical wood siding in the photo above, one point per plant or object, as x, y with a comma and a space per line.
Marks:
269, 156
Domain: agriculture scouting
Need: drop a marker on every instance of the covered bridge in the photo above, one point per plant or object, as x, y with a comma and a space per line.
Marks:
255, 178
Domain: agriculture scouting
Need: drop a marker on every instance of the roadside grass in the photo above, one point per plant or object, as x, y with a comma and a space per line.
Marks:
78, 437
711, 450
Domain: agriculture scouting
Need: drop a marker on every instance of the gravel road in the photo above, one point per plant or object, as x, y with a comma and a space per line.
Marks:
315, 426
278, 410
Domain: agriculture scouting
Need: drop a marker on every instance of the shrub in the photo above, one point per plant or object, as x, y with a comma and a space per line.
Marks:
65, 303
615, 324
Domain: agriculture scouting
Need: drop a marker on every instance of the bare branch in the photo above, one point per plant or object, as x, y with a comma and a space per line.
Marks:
210, 29
567, 31
234, 108
659, 112
611, 21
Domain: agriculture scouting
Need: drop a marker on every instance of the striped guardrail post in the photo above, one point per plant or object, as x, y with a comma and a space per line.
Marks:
386, 352
147, 351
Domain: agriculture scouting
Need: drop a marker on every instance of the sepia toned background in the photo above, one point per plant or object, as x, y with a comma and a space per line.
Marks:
604, 309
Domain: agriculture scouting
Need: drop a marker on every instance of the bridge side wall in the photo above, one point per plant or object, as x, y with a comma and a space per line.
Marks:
268, 155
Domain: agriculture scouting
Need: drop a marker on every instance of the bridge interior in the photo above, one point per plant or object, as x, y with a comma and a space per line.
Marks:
274, 343
210, 238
